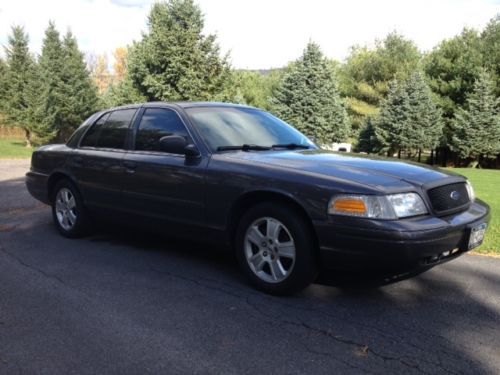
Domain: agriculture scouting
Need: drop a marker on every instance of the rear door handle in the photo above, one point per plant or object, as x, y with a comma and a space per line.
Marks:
130, 167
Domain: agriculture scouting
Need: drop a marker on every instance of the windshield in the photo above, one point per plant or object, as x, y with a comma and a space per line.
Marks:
223, 127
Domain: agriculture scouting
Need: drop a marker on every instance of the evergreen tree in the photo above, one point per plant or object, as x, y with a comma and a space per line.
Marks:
308, 98
39, 114
491, 49
121, 93
367, 140
77, 88
51, 65
476, 126
3, 72
174, 60
20, 66
424, 117
409, 119
390, 127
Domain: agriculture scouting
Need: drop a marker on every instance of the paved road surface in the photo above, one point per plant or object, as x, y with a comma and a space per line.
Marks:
135, 304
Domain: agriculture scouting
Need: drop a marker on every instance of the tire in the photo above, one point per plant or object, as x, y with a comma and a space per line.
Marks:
276, 249
68, 212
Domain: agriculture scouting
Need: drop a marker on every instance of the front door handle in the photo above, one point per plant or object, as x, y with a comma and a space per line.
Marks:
130, 166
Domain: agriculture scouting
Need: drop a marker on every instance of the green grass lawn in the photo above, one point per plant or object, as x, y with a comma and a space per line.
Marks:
486, 184
14, 149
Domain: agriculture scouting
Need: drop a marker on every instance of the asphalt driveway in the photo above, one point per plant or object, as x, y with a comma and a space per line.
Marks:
127, 303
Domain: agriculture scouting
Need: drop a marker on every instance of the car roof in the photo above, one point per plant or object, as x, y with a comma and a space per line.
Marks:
182, 105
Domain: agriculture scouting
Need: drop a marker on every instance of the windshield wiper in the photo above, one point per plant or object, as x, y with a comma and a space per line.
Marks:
290, 146
245, 147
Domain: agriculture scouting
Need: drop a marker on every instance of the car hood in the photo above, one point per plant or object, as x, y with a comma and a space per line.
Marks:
372, 171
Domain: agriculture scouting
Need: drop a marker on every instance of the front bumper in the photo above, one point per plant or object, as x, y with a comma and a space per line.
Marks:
404, 245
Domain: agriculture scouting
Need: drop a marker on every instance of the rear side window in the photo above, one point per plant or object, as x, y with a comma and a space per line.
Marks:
90, 138
114, 131
110, 130
155, 124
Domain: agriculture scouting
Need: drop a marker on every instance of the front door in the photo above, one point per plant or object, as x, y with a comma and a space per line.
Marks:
159, 184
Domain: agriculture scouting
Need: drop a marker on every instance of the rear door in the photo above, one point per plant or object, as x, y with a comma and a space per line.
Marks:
159, 184
97, 162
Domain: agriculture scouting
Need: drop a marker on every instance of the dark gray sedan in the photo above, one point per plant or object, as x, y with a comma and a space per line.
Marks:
239, 176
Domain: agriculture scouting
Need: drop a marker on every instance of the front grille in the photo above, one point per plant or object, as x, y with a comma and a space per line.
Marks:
449, 198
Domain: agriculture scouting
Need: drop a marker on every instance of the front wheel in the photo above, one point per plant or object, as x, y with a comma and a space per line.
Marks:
68, 212
275, 248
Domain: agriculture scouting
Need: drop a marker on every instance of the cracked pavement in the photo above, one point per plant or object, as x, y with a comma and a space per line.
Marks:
134, 303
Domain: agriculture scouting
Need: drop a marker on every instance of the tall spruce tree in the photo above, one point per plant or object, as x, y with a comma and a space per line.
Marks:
476, 126
77, 88
424, 117
20, 90
51, 65
391, 125
309, 100
174, 60
3, 72
409, 119
491, 49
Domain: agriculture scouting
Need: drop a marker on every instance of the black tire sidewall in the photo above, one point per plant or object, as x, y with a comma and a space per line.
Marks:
81, 225
305, 268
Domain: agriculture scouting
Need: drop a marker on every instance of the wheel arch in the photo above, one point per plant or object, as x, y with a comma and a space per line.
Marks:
251, 198
54, 178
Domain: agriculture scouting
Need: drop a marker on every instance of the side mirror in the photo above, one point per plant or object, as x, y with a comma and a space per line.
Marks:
175, 144
191, 151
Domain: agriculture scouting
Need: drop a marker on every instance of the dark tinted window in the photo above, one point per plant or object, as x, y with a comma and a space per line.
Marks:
90, 139
155, 124
114, 131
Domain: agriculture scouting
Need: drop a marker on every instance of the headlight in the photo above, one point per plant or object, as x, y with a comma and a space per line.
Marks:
470, 191
392, 206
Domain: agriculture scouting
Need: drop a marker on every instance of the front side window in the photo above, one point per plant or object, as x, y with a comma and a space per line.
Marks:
155, 124
232, 126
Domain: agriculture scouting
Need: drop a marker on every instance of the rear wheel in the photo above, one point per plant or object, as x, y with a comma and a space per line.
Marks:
275, 249
68, 211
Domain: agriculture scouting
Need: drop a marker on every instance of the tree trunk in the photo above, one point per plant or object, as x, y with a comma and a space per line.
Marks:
432, 157
399, 154
28, 137
419, 154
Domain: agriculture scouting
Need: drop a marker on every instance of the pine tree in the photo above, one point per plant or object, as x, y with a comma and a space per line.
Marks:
40, 114
121, 93
491, 49
51, 63
476, 126
424, 117
174, 60
20, 65
77, 88
390, 126
308, 98
3, 72
409, 119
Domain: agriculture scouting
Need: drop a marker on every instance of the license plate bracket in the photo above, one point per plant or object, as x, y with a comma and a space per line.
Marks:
476, 236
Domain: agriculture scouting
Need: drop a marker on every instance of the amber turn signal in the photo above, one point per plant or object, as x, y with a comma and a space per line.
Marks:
349, 205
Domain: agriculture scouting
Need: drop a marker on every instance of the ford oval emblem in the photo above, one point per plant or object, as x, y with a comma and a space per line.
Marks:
455, 195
